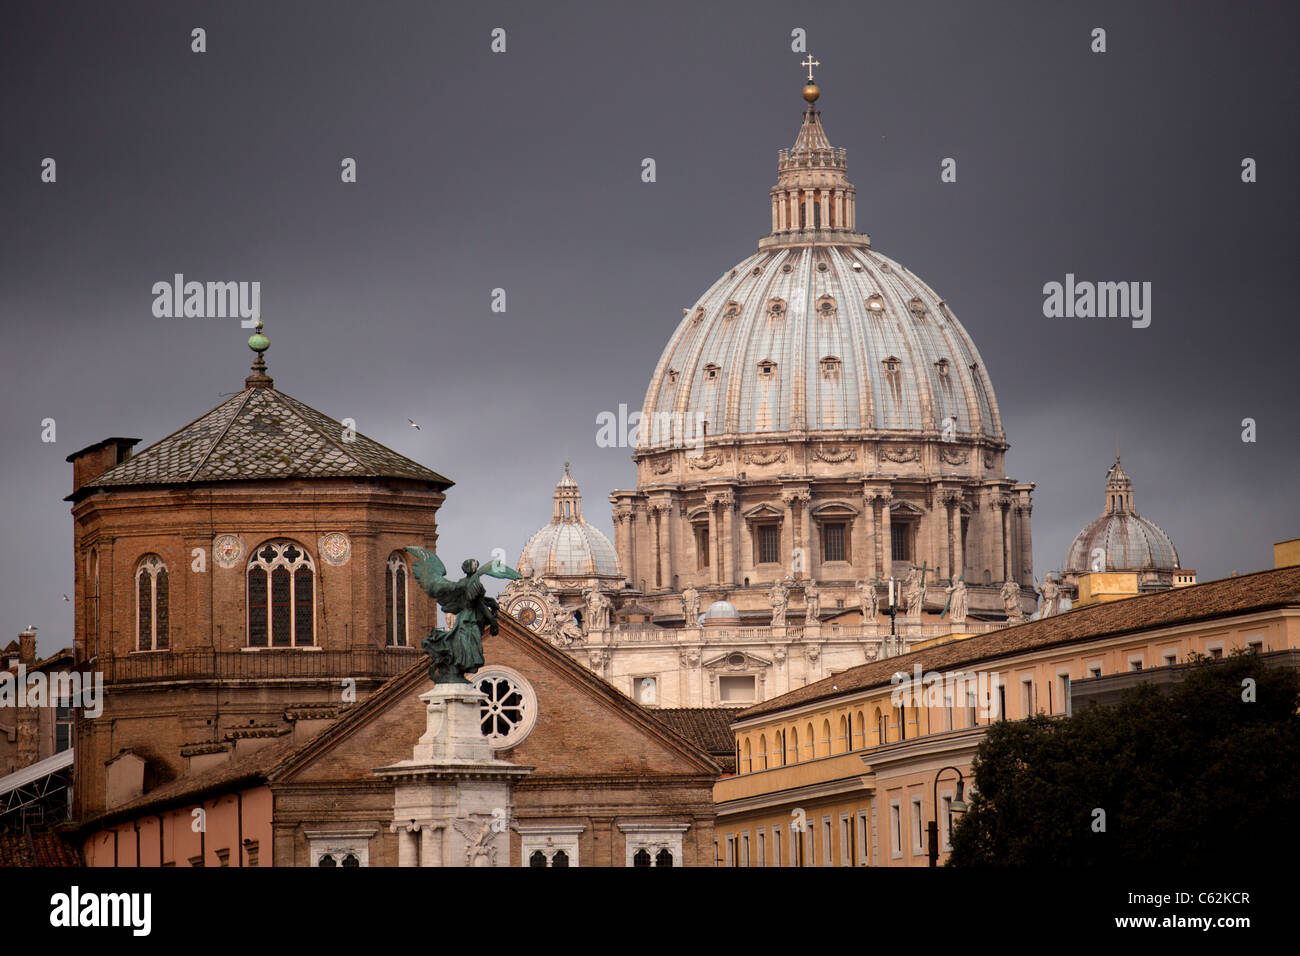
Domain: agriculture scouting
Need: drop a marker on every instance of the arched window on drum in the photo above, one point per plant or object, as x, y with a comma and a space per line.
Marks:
281, 596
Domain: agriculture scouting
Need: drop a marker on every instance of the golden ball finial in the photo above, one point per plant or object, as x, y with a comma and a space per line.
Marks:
811, 92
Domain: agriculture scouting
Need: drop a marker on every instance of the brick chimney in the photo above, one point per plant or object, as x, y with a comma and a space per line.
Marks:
29, 718
93, 460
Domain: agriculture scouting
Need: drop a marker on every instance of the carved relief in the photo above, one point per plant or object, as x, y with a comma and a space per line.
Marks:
661, 466
901, 454
954, 456
705, 462
835, 454
765, 457
988, 459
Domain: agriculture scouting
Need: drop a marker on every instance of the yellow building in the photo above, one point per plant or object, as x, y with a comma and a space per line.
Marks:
848, 771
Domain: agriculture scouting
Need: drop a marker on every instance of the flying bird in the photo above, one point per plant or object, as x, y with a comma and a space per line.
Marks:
412, 424
66, 598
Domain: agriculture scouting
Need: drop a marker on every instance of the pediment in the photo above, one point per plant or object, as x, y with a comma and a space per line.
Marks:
765, 510
736, 662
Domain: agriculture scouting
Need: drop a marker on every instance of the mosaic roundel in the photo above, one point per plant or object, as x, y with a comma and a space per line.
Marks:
335, 548
227, 550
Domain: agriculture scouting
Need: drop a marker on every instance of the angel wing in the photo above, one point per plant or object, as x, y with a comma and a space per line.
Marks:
496, 568
431, 574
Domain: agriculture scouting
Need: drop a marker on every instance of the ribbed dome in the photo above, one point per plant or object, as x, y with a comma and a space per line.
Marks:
721, 611
1126, 541
819, 338
569, 546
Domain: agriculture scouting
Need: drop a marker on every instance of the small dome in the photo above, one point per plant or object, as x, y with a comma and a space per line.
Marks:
721, 611
1123, 539
569, 546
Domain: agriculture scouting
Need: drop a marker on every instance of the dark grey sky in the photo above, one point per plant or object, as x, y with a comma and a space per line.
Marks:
522, 171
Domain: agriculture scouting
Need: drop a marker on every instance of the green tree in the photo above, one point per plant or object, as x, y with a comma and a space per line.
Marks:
1191, 775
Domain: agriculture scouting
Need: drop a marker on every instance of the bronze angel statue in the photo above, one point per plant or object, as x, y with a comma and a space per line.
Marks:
459, 651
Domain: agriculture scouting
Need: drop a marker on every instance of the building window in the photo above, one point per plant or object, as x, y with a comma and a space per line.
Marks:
1135, 663
1063, 682
542, 846
64, 718
281, 606
826, 842
900, 541
645, 690
342, 847
1026, 698
701, 548
882, 727
846, 840
895, 829
769, 544
151, 604
833, 537
395, 600
736, 689
862, 835
776, 845
744, 849
761, 837
945, 821
918, 829
510, 710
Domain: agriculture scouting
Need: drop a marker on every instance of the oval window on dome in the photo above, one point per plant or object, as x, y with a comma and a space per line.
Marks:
917, 307
776, 309
830, 366
875, 304
826, 306
698, 317
710, 372
767, 369
732, 310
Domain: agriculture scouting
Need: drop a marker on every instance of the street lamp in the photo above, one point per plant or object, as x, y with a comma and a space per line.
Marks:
957, 806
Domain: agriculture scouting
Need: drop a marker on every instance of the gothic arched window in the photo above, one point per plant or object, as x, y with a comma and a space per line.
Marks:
151, 604
281, 596
641, 858
664, 858
395, 600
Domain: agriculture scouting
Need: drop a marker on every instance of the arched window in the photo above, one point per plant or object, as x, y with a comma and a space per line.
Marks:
560, 859
92, 597
826, 738
844, 734
664, 858
762, 751
395, 600
747, 762
281, 596
882, 728
537, 859
641, 858
812, 742
151, 604
859, 731
794, 743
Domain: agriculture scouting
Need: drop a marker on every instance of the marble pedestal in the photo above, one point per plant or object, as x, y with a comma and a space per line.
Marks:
453, 800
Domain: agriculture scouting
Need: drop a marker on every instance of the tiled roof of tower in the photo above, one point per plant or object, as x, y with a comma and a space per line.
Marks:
262, 433
1247, 593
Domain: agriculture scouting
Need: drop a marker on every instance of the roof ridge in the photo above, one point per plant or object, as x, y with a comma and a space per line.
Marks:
152, 445
245, 396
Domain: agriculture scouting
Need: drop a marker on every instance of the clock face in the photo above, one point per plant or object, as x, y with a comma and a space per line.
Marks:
528, 613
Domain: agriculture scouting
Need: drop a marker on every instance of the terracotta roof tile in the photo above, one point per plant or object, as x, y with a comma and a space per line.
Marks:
1239, 595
